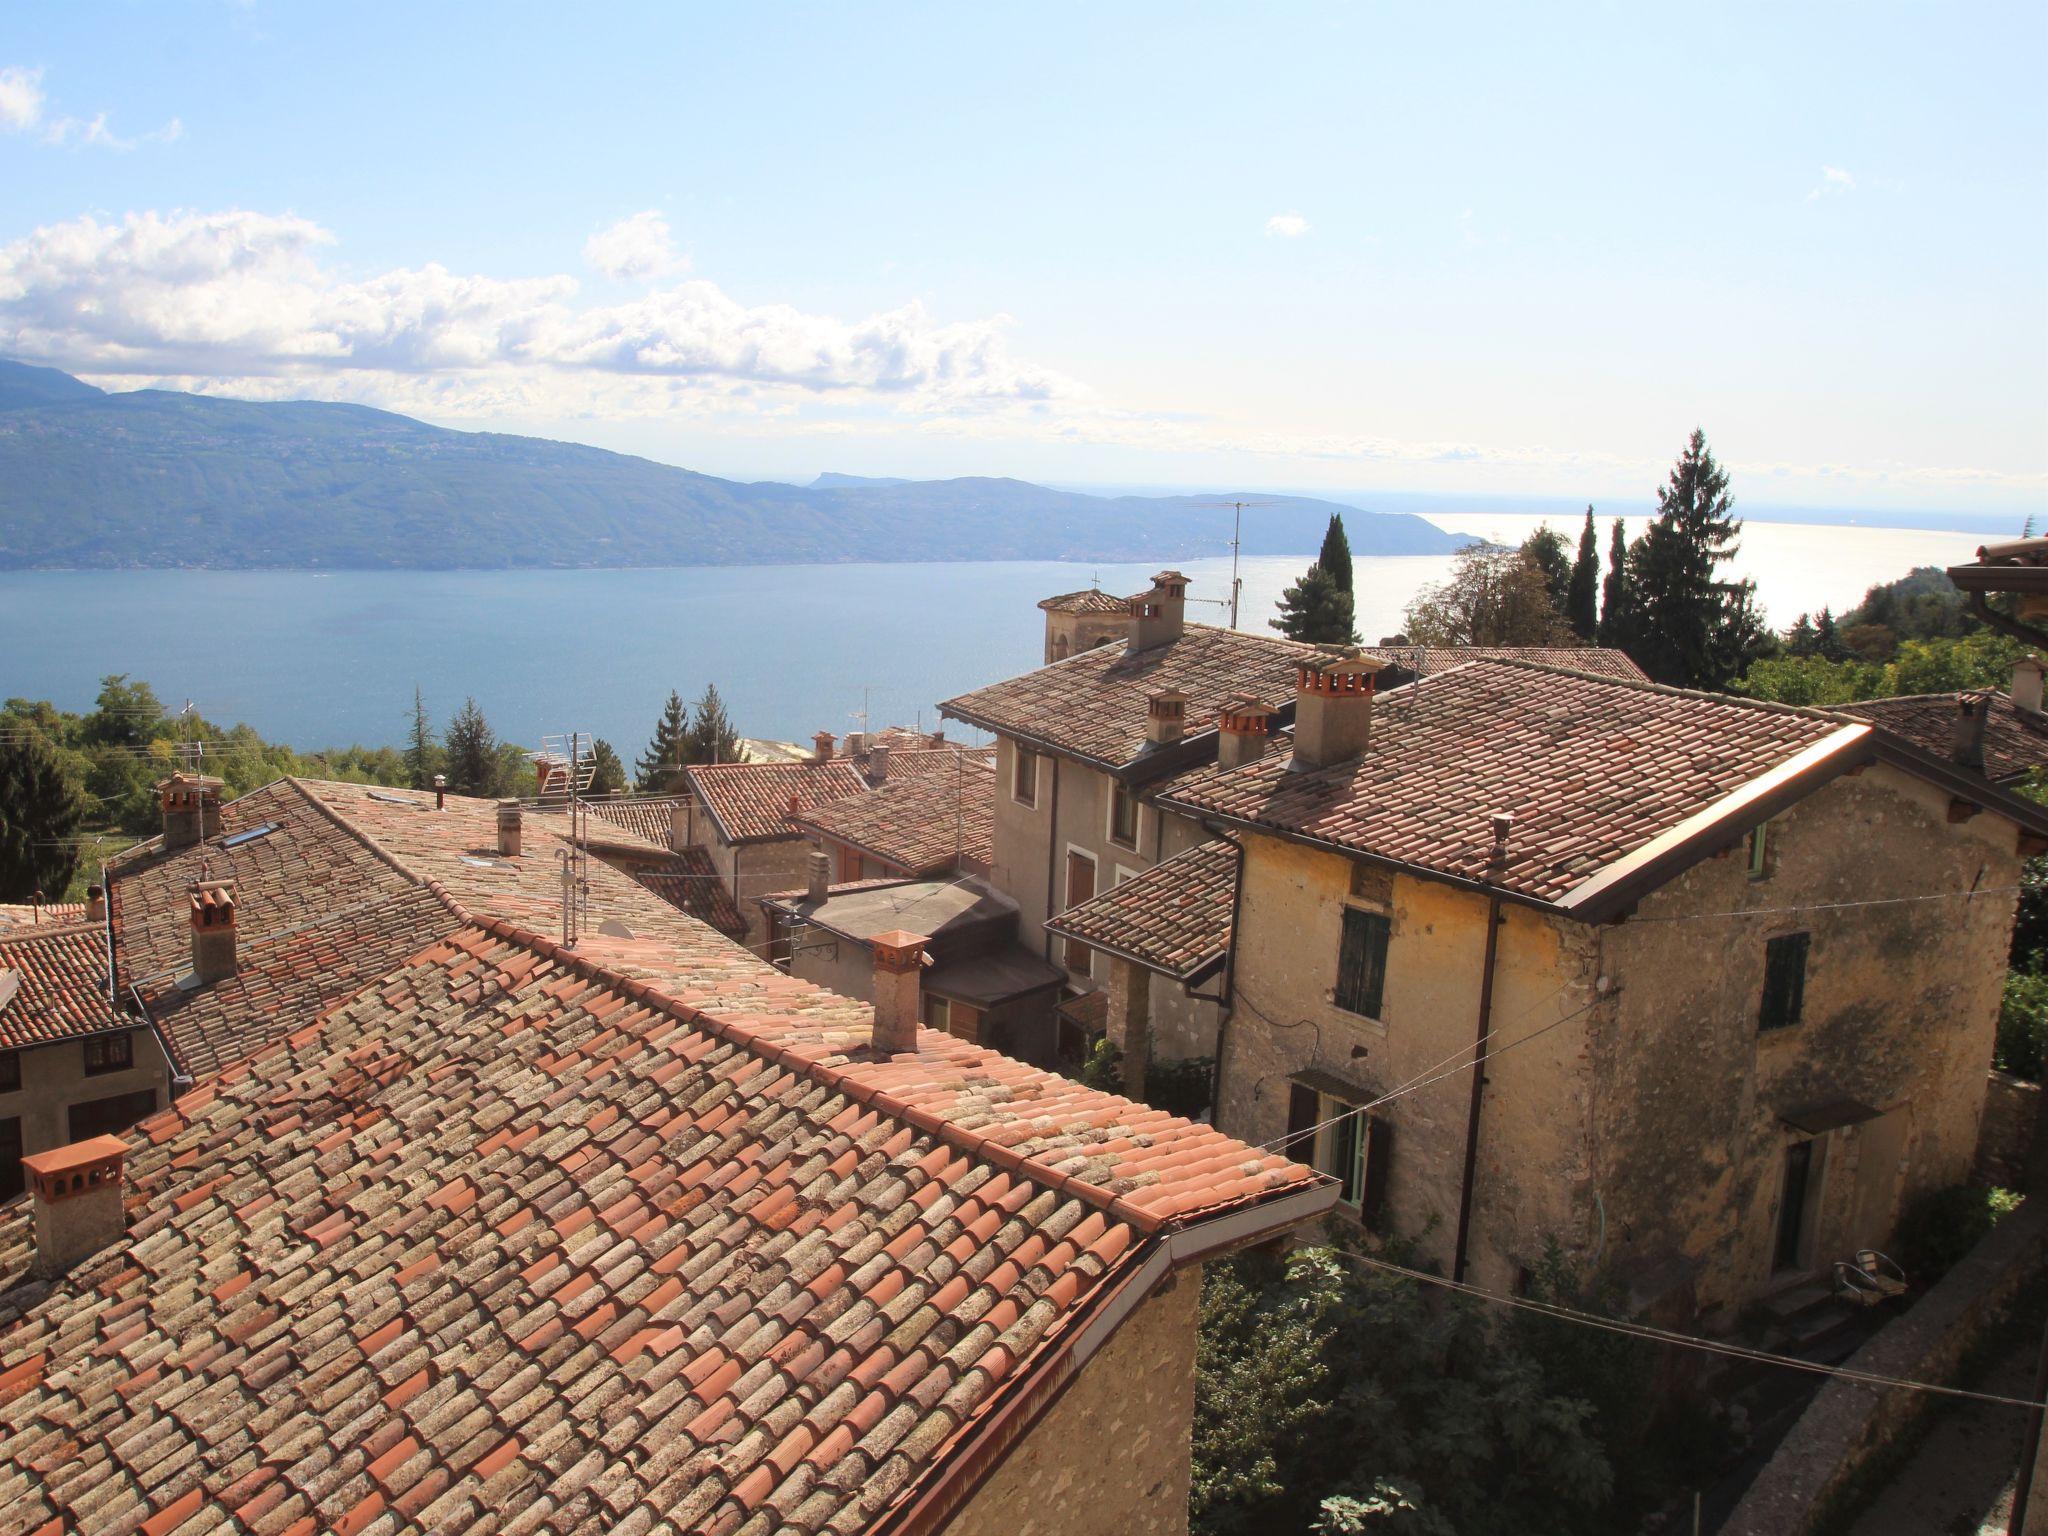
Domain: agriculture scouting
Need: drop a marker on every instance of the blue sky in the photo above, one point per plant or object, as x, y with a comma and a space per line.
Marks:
1461, 250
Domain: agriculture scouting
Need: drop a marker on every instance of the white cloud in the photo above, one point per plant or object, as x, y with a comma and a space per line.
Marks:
244, 302
1289, 226
1833, 180
21, 99
21, 111
636, 247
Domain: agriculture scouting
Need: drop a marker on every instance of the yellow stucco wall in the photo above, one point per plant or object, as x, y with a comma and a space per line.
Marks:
53, 1080
1112, 1456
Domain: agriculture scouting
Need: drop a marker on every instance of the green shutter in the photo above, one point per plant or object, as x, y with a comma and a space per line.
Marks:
1301, 1120
1362, 962
1784, 981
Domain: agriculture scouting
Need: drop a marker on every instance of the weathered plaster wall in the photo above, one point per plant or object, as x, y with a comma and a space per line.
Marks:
53, 1079
2005, 1142
1112, 1456
1901, 1005
1532, 1156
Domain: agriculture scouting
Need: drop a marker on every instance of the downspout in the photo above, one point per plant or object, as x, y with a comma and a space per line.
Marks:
1501, 826
2005, 623
1052, 856
1228, 987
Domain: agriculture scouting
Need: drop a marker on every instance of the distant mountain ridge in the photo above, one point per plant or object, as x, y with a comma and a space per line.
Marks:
159, 478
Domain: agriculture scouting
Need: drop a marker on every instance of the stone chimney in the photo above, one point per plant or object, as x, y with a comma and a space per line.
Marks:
878, 763
76, 1201
2026, 684
1158, 616
95, 904
679, 824
821, 747
191, 807
508, 829
213, 931
817, 875
856, 743
1332, 708
1242, 727
1966, 745
899, 962
1166, 716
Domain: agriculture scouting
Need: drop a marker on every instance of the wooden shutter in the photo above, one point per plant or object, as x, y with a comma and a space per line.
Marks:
1301, 1117
1362, 962
1379, 1148
1784, 981
1080, 888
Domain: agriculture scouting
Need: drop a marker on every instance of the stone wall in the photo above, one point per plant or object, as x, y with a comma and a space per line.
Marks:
2005, 1142
1847, 1422
1113, 1456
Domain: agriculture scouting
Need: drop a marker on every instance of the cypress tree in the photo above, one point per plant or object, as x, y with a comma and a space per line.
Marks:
1617, 601
472, 752
713, 738
1582, 598
1316, 610
1336, 555
1545, 551
660, 768
1697, 631
419, 748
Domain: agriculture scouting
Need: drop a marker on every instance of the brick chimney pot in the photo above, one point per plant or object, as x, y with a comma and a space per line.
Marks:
899, 966
76, 1195
213, 930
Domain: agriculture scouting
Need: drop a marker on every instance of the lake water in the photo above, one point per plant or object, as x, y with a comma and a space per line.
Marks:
328, 659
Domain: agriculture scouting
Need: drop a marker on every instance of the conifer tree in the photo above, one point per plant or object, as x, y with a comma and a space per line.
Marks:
609, 774
1545, 550
713, 738
1316, 610
1582, 600
1802, 638
42, 807
472, 752
1697, 631
1617, 601
420, 755
1828, 643
1336, 555
660, 768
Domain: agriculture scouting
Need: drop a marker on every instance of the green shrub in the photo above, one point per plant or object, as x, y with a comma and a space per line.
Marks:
2023, 1025
1181, 1087
1104, 1068
1939, 1228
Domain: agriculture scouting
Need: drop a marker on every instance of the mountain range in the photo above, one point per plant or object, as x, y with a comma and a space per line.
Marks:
91, 479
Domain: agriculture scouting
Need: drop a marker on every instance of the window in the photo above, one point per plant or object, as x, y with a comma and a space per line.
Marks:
1123, 815
109, 1053
849, 864
11, 1182
1784, 981
1333, 1136
10, 1071
107, 1117
1024, 776
1760, 851
1362, 962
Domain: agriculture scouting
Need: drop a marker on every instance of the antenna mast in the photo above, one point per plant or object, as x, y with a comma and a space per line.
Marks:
570, 755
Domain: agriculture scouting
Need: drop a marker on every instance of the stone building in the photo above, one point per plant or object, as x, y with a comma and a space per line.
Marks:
926, 823
456, 1227
1080, 621
2005, 735
1734, 970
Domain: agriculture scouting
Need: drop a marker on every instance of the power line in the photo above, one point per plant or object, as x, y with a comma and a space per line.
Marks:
1685, 1340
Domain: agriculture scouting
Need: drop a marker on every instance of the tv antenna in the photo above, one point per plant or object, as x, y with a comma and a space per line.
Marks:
1237, 506
567, 765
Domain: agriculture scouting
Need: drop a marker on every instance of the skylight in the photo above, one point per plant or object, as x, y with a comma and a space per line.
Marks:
378, 794
249, 836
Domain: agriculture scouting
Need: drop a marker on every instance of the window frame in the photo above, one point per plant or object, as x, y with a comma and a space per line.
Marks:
1350, 1145
1758, 864
1385, 920
1786, 997
106, 1047
10, 1071
1022, 758
1121, 794
1071, 947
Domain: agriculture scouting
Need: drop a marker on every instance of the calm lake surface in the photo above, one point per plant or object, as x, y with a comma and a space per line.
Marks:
328, 659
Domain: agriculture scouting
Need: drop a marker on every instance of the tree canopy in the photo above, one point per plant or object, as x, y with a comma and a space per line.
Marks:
43, 810
713, 738
1495, 596
1335, 557
1694, 629
1582, 596
660, 768
1317, 611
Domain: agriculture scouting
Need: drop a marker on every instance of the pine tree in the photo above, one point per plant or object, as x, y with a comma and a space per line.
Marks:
42, 807
1697, 631
472, 752
660, 768
713, 738
1802, 639
1582, 600
1828, 643
1336, 555
609, 774
421, 757
1545, 550
1618, 619
1316, 610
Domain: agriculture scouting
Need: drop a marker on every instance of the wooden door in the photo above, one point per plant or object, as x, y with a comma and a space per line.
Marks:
1080, 888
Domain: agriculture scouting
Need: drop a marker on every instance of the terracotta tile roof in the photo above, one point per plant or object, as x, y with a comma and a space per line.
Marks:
1090, 1010
1089, 600
27, 915
691, 884
2014, 743
647, 817
1599, 660
924, 824
1590, 770
640, 1235
1174, 918
58, 987
1092, 706
750, 802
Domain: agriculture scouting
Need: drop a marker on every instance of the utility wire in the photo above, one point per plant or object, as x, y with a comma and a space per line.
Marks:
1685, 1340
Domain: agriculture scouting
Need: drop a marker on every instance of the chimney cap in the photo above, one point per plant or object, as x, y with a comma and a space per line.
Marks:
204, 783
2030, 663
1247, 706
899, 949
1166, 700
57, 1169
